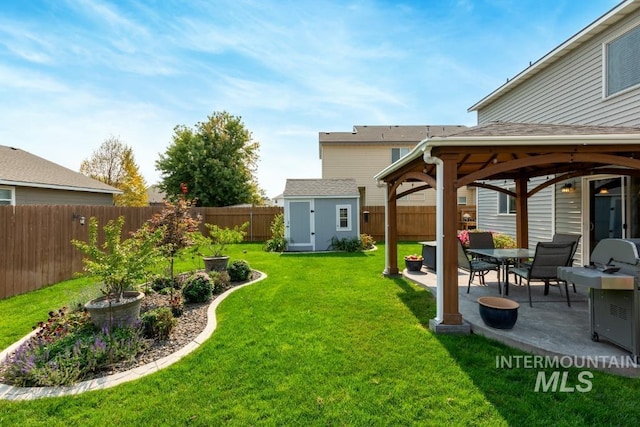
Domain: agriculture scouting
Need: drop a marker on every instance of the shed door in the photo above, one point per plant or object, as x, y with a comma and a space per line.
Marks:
300, 224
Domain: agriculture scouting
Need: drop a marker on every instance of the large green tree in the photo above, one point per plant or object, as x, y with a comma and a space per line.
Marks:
216, 160
113, 163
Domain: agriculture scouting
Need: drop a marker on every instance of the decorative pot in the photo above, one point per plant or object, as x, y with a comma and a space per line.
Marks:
497, 312
107, 312
413, 264
216, 263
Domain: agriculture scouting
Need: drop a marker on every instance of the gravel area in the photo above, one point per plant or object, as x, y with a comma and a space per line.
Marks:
190, 324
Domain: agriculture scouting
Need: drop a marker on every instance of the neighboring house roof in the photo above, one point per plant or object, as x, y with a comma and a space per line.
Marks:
321, 188
392, 134
388, 134
23, 169
610, 18
155, 196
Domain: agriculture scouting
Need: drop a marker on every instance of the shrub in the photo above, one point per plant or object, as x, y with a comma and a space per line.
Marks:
239, 270
161, 282
158, 323
52, 359
346, 244
198, 288
277, 242
221, 281
366, 242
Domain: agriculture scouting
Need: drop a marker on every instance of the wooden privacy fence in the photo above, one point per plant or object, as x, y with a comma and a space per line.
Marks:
36, 250
415, 223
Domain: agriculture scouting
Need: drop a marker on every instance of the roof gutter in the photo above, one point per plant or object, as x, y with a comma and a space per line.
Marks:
60, 187
600, 139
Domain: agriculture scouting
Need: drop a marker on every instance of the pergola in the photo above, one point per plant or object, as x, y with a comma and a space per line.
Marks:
514, 152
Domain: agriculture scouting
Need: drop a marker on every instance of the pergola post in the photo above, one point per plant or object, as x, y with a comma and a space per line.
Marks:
451, 315
522, 214
392, 233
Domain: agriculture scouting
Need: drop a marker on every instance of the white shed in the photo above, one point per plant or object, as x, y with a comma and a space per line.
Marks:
317, 210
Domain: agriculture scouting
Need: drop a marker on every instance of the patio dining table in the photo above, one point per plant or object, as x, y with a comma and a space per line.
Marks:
504, 256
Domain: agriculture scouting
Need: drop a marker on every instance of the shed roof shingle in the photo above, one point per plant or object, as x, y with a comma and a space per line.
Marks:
321, 187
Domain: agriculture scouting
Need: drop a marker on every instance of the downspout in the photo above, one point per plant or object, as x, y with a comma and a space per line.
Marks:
428, 159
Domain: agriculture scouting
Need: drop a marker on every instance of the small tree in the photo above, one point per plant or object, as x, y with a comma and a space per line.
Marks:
277, 242
119, 264
220, 237
113, 163
178, 228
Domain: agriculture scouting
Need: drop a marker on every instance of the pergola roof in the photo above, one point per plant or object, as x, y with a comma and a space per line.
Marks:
500, 150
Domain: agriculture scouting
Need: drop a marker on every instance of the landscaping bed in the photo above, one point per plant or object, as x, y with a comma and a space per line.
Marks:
188, 326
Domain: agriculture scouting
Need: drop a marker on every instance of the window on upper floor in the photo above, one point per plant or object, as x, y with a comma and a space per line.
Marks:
397, 153
622, 62
7, 196
506, 203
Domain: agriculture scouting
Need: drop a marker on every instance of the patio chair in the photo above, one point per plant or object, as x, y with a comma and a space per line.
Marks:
484, 240
474, 266
575, 239
548, 257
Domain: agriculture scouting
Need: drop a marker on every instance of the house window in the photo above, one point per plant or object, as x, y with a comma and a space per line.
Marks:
506, 203
343, 218
462, 200
622, 62
397, 153
6, 196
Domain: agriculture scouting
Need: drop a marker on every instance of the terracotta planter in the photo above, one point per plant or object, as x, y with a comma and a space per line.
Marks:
108, 313
499, 313
216, 263
413, 265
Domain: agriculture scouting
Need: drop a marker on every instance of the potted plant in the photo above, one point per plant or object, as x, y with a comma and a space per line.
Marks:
120, 265
216, 242
413, 262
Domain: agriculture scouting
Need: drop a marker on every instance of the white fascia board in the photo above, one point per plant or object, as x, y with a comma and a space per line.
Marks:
343, 196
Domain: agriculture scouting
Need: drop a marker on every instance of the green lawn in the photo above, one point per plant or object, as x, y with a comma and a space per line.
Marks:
324, 340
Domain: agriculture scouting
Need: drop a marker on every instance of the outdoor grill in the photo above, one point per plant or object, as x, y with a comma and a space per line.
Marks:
614, 293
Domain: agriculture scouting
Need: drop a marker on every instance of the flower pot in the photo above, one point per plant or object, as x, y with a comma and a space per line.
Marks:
216, 263
497, 312
107, 312
413, 265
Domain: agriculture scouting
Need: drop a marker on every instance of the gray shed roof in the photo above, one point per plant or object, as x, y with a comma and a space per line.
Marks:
20, 168
321, 188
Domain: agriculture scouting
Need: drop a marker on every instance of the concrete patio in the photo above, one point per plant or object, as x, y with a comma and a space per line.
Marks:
549, 328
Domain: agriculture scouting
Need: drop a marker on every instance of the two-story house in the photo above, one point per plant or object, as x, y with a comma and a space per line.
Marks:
361, 153
556, 149
591, 79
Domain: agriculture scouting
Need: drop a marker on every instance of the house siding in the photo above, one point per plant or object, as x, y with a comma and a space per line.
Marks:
570, 91
43, 196
540, 216
362, 161
568, 214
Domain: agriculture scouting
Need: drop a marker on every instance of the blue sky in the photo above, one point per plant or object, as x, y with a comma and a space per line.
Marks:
76, 72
